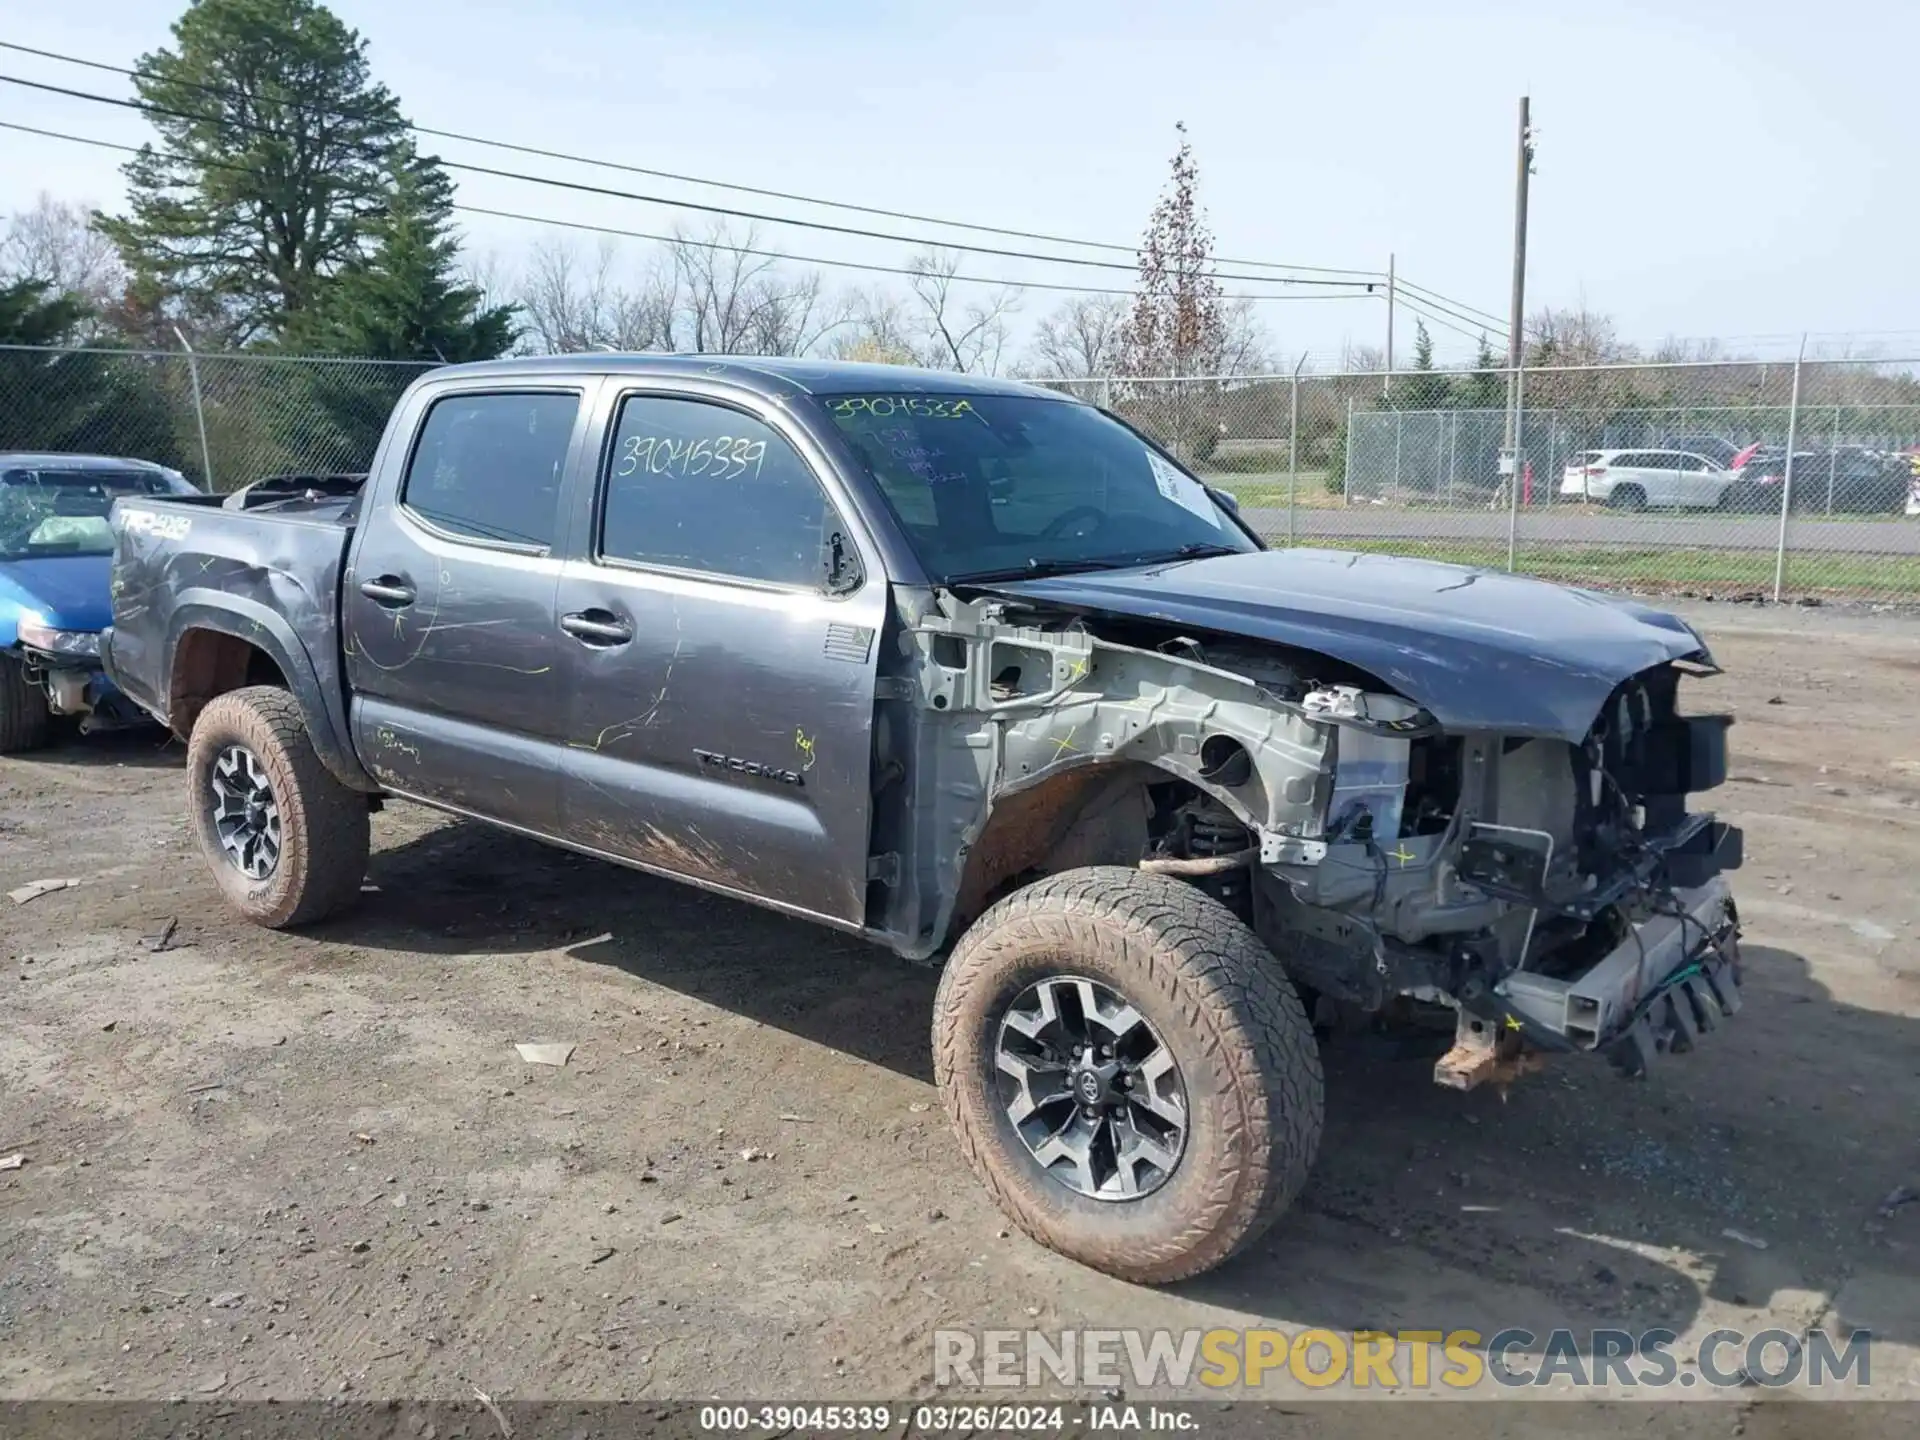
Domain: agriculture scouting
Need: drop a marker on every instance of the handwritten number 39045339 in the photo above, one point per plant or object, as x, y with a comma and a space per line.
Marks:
724, 457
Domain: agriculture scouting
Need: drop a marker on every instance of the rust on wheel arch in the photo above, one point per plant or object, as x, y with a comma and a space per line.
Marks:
1090, 815
208, 664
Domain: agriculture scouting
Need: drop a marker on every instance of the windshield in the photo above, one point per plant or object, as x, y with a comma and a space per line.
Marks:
1004, 485
64, 512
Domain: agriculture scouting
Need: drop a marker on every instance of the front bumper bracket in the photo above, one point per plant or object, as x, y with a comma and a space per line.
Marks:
1677, 975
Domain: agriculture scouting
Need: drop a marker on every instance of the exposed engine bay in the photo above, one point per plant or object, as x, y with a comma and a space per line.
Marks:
1536, 893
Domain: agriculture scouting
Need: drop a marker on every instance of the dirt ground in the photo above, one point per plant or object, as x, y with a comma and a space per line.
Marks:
304, 1166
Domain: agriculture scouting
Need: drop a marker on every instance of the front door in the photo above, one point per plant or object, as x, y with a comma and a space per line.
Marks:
721, 627
448, 607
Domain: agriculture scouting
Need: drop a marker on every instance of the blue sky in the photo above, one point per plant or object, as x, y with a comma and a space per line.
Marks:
1705, 169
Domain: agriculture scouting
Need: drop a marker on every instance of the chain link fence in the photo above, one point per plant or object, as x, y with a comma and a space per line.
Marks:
1736, 479
224, 420
1739, 480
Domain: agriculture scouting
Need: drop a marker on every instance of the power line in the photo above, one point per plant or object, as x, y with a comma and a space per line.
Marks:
1415, 306
704, 244
1473, 311
695, 179
228, 92
1441, 314
470, 139
846, 264
1445, 302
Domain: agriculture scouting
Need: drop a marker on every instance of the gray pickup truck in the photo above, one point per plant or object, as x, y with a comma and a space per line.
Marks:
978, 672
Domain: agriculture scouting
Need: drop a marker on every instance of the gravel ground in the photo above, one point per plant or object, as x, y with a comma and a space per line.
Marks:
311, 1166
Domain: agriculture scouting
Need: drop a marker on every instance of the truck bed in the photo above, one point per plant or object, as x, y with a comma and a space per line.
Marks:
263, 565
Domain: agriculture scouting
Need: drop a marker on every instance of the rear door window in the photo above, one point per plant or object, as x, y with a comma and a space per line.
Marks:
487, 467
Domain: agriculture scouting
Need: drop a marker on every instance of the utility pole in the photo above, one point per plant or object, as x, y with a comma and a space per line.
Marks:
1386, 380
1516, 321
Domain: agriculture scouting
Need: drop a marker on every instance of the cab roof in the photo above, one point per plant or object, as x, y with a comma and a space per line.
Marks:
768, 375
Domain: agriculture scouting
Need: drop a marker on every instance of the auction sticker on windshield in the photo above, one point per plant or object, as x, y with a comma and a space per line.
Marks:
1182, 490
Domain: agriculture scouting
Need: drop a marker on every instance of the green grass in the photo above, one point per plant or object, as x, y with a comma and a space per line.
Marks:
1669, 568
1310, 491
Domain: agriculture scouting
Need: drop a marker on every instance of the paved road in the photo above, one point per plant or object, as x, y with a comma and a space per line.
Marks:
1717, 532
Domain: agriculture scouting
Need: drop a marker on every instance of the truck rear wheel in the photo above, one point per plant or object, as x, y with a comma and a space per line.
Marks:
287, 842
25, 721
1129, 1070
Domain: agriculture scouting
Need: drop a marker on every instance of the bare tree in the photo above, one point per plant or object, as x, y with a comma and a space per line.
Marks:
490, 276
878, 330
55, 242
1575, 336
733, 301
969, 336
1245, 347
1080, 339
576, 304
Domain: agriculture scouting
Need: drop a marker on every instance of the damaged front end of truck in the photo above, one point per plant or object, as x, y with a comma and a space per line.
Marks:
1467, 812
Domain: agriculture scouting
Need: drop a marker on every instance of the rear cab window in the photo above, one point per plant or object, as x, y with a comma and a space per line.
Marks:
487, 467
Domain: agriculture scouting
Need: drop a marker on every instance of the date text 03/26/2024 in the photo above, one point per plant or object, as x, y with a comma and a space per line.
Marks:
964, 1418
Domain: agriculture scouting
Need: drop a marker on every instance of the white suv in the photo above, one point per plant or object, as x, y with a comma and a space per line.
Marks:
1635, 479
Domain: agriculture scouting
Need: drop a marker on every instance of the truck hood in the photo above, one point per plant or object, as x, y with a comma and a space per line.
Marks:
1480, 650
72, 592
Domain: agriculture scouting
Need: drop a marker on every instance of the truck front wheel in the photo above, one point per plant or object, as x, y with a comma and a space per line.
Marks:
287, 842
1129, 1070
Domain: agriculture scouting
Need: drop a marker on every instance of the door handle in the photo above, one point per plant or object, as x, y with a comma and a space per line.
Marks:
597, 627
388, 590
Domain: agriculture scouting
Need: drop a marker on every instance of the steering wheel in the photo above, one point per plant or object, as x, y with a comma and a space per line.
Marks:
1057, 526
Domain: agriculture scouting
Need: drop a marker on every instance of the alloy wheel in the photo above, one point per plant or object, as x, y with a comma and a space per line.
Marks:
246, 816
1091, 1089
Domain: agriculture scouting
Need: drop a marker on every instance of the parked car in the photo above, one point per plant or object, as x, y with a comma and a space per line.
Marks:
1847, 480
1637, 479
1713, 447
1139, 782
56, 551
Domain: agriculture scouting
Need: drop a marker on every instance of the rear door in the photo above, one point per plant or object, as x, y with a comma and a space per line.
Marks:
1698, 482
720, 628
447, 608
1655, 472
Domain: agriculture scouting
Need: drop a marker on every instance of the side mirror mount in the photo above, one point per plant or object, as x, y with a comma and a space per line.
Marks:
844, 575
1228, 499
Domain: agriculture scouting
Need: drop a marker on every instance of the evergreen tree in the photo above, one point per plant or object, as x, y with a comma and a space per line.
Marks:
1427, 388
1486, 387
404, 300
69, 400
274, 152
32, 313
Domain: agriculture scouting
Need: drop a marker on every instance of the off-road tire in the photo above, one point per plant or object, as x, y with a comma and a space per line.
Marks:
25, 721
325, 832
1221, 1003
1627, 497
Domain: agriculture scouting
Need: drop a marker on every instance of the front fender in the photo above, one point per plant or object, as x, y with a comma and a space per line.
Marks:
314, 680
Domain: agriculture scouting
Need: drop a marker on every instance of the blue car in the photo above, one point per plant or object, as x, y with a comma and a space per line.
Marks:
56, 563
